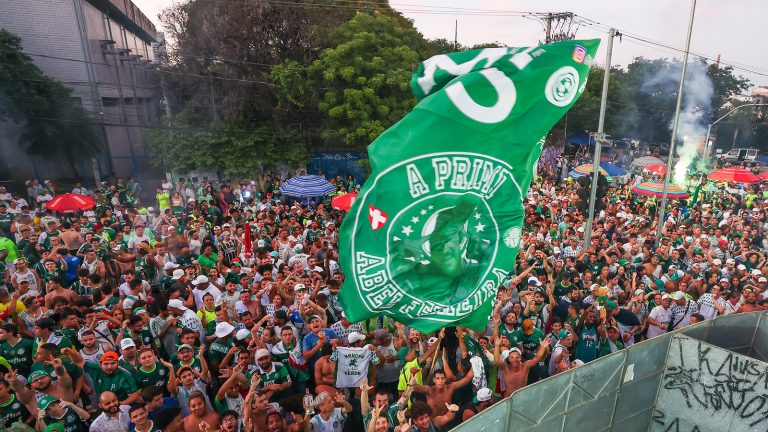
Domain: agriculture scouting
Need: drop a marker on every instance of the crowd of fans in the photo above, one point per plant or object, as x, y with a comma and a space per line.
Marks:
217, 307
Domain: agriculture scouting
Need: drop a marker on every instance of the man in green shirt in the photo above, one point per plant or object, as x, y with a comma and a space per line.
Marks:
275, 379
62, 412
12, 409
220, 347
18, 351
8, 252
107, 376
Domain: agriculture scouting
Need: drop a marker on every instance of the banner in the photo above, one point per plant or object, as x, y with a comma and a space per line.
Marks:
437, 226
352, 366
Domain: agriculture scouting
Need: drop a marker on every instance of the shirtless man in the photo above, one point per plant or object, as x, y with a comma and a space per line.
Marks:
440, 395
514, 371
325, 372
43, 385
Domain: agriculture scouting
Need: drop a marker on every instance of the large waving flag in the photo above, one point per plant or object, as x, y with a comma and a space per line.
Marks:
437, 226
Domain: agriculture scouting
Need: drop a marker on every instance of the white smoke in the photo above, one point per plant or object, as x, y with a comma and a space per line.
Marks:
697, 102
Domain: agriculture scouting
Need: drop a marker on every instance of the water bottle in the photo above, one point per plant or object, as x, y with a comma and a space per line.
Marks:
309, 403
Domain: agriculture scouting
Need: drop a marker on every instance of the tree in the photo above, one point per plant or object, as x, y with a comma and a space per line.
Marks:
362, 84
53, 126
184, 146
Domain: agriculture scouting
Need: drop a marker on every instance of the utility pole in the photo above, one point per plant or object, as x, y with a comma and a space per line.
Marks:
557, 26
663, 207
456, 36
599, 139
548, 37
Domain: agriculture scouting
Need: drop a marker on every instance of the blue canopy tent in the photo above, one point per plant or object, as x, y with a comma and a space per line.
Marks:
582, 138
612, 169
763, 159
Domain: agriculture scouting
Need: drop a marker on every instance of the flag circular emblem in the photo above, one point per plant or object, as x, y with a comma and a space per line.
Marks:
443, 235
562, 86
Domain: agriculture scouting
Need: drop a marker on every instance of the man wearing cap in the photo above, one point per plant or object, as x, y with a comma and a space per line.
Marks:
107, 376
659, 318
186, 318
219, 348
681, 310
480, 402
129, 359
53, 410
315, 339
514, 369
202, 287
275, 379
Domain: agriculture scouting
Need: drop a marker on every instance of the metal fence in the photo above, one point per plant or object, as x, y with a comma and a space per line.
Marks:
706, 377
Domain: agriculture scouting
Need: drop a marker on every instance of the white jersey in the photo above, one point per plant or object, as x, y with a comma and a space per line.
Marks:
352, 366
662, 316
95, 357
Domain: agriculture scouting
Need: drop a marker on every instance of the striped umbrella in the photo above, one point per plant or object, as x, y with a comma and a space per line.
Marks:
738, 175
644, 161
307, 186
657, 169
654, 189
586, 170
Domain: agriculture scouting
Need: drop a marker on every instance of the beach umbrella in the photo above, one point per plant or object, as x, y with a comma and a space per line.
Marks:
612, 169
70, 202
657, 169
655, 189
344, 202
307, 186
738, 175
645, 161
764, 175
586, 170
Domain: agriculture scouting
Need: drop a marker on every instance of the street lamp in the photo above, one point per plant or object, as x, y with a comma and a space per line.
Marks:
707, 146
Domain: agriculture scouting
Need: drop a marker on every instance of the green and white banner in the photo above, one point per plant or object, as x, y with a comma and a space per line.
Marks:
437, 226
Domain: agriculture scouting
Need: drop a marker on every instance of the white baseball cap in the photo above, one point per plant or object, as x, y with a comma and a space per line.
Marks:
299, 287
200, 280
223, 329
717, 261
482, 395
177, 274
170, 265
756, 272
262, 353
127, 343
741, 267
242, 334
355, 337
533, 280
677, 295
176, 304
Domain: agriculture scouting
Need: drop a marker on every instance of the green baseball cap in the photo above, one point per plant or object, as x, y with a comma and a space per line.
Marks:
45, 401
37, 374
55, 427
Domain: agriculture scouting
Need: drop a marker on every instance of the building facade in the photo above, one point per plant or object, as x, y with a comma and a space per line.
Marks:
103, 51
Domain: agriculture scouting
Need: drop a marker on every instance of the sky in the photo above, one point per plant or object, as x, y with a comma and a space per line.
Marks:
735, 29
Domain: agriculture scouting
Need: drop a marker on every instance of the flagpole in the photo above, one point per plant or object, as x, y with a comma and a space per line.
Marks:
663, 207
598, 140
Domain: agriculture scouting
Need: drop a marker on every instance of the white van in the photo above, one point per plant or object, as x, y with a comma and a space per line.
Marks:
739, 155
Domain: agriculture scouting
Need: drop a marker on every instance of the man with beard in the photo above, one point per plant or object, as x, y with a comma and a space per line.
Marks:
107, 376
114, 417
586, 348
514, 370
412, 342
750, 302
186, 318
275, 379
381, 402
288, 352
42, 384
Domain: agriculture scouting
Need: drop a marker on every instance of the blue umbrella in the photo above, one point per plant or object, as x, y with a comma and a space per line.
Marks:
612, 169
307, 186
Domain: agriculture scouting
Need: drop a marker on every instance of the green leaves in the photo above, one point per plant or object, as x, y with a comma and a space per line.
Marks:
236, 151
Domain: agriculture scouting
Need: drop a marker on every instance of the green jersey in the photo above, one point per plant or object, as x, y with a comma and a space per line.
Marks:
208, 263
121, 382
19, 355
71, 421
219, 349
606, 347
530, 342
13, 411
157, 377
391, 416
195, 365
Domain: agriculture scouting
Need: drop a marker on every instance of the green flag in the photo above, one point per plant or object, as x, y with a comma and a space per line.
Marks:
436, 228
